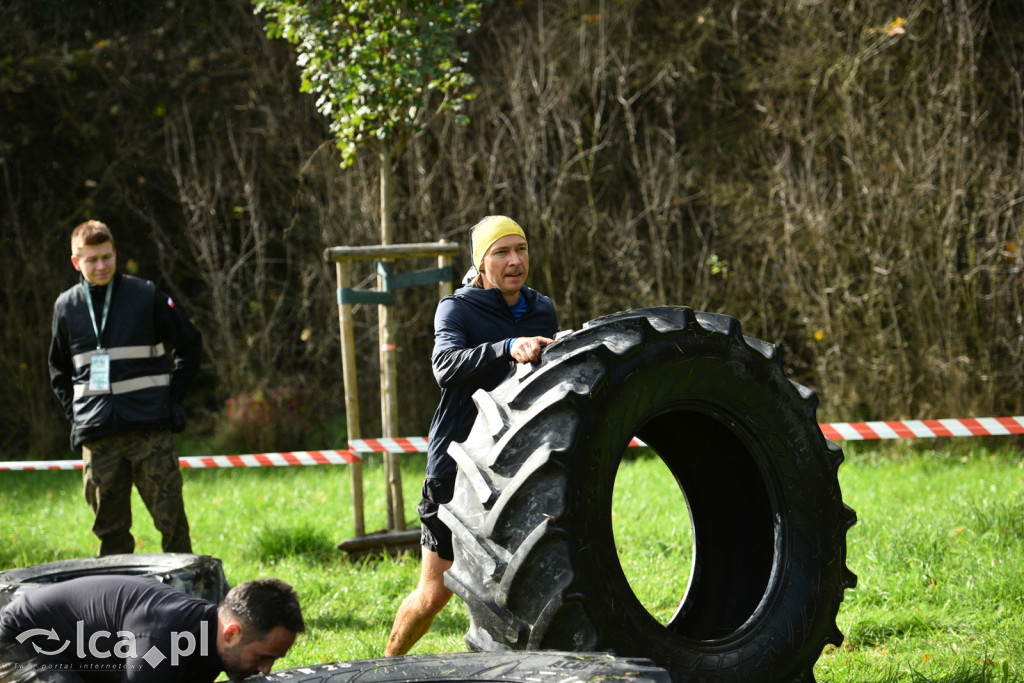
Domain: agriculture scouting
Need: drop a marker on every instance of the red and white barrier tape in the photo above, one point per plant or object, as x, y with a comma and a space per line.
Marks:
401, 444
215, 461
272, 459
911, 429
835, 431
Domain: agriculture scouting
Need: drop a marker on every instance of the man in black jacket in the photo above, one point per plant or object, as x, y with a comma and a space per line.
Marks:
114, 337
480, 333
129, 628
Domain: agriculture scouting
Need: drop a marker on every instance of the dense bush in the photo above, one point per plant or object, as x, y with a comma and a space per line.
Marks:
847, 182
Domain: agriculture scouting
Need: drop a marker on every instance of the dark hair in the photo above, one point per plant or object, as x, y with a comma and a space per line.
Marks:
262, 604
91, 232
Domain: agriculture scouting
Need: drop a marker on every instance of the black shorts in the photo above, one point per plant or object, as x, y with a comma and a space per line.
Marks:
434, 534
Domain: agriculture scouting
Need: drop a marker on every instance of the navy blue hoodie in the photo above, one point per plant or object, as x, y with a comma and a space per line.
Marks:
470, 329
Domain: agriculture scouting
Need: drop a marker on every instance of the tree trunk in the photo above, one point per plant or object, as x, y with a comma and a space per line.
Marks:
388, 354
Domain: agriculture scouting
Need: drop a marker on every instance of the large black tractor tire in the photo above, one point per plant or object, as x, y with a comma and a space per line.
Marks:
510, 667
535, 556
201, 576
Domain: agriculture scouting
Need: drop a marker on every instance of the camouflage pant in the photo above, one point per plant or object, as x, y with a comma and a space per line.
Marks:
150, 460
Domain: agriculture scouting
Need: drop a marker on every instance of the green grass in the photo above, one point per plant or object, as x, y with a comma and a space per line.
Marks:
939, 554
938, 550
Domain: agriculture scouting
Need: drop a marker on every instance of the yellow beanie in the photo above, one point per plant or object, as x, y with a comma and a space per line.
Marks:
490, 230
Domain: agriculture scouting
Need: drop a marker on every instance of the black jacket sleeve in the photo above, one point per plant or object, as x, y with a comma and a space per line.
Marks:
454, 362
174, 329
61, 370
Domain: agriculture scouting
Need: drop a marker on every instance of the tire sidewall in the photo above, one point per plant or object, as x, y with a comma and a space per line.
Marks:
722, 378
201, 576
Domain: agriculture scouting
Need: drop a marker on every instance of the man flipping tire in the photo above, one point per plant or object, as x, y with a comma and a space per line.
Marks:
480, 332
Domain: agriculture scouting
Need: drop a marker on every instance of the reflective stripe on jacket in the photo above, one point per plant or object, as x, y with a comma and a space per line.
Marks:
84, 360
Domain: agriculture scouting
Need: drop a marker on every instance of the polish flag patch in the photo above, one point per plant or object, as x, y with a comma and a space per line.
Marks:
170, 302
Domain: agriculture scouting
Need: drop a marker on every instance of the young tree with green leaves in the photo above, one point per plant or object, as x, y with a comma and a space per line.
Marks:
379, 69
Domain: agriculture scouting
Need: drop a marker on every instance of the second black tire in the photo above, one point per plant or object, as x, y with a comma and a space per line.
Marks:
201, 576
535, 555
479, 667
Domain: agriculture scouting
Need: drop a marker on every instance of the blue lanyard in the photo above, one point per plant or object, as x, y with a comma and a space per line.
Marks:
92, 312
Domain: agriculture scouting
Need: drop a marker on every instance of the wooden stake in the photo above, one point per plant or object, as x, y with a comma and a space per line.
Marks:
348, 367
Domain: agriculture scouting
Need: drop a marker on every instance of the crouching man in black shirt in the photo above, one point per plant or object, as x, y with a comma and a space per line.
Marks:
125, 628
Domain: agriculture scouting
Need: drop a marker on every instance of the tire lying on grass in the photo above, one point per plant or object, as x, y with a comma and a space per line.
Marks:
535, 557
540, 667
201, 576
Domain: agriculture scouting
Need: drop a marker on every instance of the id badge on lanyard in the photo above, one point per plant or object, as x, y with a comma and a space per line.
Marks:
99, 363
99, 372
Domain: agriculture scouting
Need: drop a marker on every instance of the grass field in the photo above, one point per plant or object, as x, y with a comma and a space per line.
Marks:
938, 550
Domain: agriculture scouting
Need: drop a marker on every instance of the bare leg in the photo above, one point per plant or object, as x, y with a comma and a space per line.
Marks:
421, 606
